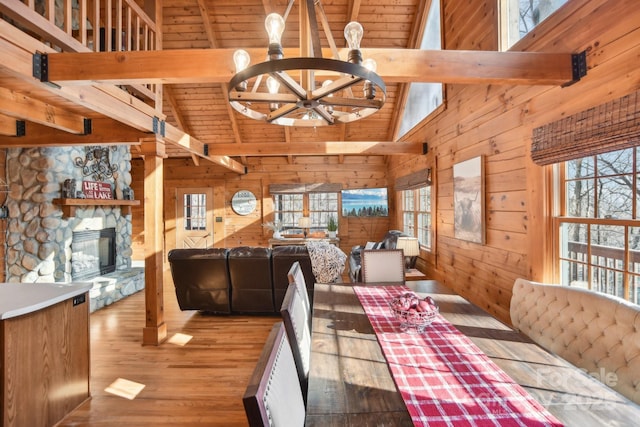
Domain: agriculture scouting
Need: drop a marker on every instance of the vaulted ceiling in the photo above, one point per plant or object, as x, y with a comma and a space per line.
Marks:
198, 39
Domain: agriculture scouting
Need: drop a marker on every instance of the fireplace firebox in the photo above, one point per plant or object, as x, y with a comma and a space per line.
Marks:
93, 253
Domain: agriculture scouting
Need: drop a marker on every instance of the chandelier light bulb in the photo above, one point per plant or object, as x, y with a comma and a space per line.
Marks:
353, 34
278, 98
275, 27
370, 64
273, 85
241, 59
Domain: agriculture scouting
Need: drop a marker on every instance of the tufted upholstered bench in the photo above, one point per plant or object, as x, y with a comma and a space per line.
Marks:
595, 332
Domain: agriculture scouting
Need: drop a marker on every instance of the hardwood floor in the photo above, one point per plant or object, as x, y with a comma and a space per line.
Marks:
198, 384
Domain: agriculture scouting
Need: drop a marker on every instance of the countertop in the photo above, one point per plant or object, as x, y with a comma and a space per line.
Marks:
17, 299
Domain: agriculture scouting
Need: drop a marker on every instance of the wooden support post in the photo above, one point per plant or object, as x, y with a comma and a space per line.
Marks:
155, 330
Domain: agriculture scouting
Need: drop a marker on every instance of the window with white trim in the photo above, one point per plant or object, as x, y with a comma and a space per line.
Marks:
519, 17
195, 211
598, 226
288, 209
319, 206
416, 214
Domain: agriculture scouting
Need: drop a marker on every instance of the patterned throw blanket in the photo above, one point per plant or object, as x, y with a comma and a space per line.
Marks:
327, 261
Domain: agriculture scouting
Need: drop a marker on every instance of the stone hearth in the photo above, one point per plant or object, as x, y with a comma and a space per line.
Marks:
39, 235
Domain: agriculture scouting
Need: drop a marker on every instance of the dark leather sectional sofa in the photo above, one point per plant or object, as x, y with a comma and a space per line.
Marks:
239, 280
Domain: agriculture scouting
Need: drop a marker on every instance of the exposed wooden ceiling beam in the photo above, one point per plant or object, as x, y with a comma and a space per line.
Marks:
22, 107
8, 126
17, 51
354, 10
195, 146
317, 148
104, 131
35, 22
394, 65
175, 109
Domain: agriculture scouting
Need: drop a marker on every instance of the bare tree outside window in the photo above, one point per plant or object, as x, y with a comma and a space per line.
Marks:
599, 235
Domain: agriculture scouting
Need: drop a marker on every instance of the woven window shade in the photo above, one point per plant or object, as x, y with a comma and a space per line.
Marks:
607, 127
304, 188
414, 180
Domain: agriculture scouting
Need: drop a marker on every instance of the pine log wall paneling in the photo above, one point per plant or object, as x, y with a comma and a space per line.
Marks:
352, 172
497, 122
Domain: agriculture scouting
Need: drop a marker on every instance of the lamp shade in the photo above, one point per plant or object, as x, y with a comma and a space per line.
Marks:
304, 222
409, 245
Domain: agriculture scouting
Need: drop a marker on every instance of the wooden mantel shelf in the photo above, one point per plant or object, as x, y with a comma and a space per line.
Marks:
69, 205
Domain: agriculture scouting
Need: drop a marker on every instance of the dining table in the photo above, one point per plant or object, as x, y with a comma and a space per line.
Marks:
351, 382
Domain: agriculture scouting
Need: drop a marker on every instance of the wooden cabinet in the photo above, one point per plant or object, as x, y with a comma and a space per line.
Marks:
45, 362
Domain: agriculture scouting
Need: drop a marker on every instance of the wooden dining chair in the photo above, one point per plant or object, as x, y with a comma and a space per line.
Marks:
383, 266
296, 277
273, 396
296, 323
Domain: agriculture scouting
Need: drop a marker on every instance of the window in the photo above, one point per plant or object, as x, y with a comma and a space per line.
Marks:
416, 214
599, 227
424, 98
321, 207
195, 211
408, 212
519, 17
289, 208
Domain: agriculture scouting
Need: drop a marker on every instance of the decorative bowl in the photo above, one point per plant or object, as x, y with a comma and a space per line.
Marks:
413, 312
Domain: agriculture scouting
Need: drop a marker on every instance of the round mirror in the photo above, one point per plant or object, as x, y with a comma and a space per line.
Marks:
243, 202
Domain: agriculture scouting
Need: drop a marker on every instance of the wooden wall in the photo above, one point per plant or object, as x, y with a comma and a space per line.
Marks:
497, 122
493, 121
352, 172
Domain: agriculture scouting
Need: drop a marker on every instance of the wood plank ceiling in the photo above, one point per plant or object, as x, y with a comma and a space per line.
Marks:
194, 90
202, 110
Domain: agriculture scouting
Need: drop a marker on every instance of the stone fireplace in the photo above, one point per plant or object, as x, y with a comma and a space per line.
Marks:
93, 253
42, 242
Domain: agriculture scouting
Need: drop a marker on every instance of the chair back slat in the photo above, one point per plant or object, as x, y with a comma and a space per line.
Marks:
383, 266
296, 277
273, 396
296, 323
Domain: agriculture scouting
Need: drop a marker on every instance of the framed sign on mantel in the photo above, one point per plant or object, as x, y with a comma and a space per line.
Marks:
97, 190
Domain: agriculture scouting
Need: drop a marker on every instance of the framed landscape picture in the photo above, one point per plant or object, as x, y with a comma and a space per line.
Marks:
365, 202
468, 198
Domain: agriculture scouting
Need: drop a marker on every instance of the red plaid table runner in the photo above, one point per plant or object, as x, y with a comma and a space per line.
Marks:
443, 377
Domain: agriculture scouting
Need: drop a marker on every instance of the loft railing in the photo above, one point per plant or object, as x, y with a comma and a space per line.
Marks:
87, 25
608, 269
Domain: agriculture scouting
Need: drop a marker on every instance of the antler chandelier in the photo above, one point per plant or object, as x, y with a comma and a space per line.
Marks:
282, 100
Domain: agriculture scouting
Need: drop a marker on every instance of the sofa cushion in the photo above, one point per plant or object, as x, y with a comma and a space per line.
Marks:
251, 280
373, 245
282, 258
596, 332
201, 279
